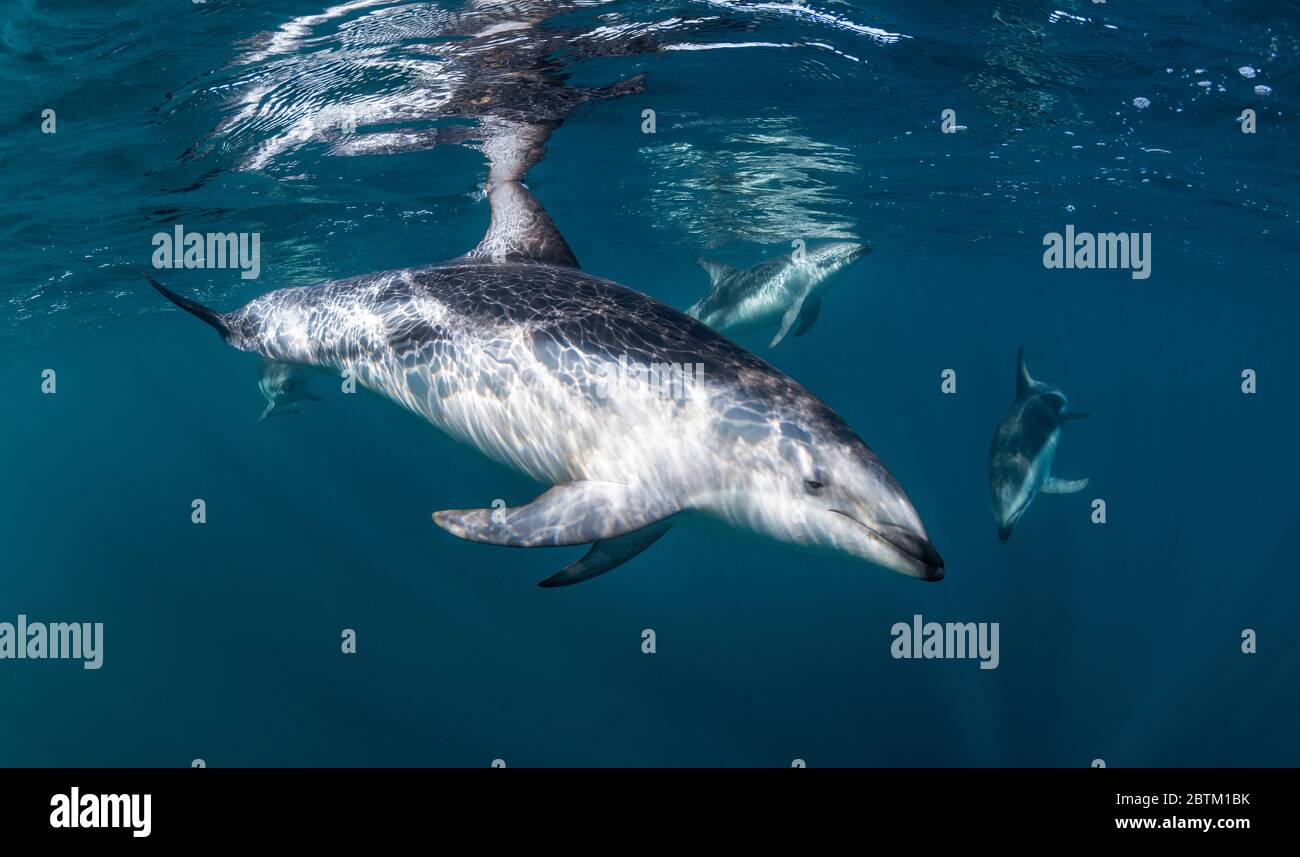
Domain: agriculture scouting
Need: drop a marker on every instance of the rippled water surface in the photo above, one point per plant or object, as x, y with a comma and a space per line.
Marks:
355, 137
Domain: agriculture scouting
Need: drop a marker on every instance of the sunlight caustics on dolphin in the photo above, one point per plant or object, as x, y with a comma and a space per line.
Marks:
1024, 447
779, 292
635, 414
512, 349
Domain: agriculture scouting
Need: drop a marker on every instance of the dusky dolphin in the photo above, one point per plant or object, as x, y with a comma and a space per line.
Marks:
283, 385
1024, 447
780, 291
511, 349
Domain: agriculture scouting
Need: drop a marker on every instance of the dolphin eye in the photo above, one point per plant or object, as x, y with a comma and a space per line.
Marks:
813, 486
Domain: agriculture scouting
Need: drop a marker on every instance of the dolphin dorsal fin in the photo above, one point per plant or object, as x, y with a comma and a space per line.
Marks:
1024, 383
521, 230
717, 271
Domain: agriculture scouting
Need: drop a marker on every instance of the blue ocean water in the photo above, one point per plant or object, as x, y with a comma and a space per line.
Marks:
774, 122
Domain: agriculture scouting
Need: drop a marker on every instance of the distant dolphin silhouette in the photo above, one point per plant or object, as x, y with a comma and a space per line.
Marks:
777, 292
1024, 447
283, 384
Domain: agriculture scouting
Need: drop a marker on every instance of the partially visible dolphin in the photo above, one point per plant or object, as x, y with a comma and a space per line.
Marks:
283, 384
510, 349
1024, 446
778, 291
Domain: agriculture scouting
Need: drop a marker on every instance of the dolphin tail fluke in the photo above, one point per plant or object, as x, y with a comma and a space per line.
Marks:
607, 555
208, 316
1064, 486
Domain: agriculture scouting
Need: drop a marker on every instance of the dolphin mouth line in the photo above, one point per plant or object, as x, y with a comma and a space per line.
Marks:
1004, 530
931, 569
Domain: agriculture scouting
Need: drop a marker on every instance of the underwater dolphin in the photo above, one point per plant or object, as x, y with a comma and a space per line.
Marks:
283, 384
778, 291
1023, 448
514, 350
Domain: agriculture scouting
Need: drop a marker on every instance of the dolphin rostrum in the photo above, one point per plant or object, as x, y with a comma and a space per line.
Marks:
1023, 448
581, 384
779, 291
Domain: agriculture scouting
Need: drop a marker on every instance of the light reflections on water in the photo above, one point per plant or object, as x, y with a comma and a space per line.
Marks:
754, 180
778, 120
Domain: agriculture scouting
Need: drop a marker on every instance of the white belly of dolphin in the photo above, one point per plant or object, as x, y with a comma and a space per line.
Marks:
511, 388
508, 402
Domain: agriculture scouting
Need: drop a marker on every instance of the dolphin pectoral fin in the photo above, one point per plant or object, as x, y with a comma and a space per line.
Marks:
717, 271
808, 317
571, 513
1064, 486
1076, 415
607, 555
275, 409
787, 322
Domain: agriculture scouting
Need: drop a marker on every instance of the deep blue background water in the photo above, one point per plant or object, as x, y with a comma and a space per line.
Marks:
1119, 642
